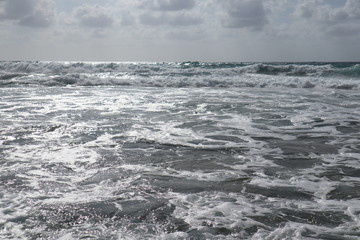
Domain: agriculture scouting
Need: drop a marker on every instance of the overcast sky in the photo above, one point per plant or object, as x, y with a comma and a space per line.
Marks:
180, 30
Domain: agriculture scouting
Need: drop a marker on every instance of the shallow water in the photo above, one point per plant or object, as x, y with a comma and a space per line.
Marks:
117, 162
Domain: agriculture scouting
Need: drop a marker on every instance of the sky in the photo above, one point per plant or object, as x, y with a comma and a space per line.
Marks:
180, 30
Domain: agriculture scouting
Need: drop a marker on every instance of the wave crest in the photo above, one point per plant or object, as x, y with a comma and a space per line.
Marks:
183, 74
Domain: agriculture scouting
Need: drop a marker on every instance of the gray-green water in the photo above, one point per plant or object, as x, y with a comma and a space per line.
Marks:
136, 162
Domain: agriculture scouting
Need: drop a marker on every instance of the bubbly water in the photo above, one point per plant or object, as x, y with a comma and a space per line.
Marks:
179, 150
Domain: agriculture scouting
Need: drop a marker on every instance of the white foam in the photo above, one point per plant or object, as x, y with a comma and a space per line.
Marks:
75, 144
288, 232
213, 209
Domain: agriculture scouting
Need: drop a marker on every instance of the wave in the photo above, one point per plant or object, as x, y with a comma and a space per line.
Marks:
288, 69
182, 74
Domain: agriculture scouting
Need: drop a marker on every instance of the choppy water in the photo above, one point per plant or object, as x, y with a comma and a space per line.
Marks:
209, 151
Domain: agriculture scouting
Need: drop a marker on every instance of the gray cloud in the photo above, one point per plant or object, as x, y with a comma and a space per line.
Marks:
152, 19
93, 16
127, 19
335, 21
244, 14
185, 36
37, 20
184, 20
353, 8
306, 9
344, 30
167, 19
320, 11
168, 5
16, 9
29, 13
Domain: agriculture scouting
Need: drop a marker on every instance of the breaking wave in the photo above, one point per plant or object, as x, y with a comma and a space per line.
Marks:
182, 74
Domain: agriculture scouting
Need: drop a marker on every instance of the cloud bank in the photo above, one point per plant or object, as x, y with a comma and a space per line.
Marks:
211, 29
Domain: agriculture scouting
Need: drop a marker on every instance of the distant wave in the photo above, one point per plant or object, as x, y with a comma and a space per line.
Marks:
182, 74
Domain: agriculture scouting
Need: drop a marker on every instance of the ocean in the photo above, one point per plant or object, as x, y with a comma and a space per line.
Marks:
188, 150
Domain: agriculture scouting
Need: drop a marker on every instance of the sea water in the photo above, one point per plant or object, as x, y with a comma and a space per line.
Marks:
179, 150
